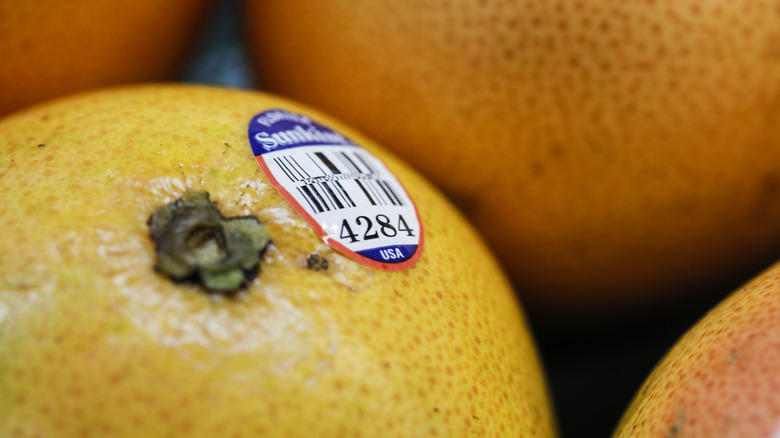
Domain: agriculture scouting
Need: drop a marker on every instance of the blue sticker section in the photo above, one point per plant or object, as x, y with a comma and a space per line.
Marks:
390, 254
277, 129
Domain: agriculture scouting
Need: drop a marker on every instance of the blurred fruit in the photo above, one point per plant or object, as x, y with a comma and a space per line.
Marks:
721, 378
52, 48
614, 154
93, 342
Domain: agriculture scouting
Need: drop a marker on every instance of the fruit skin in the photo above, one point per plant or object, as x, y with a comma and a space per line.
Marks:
616, 155
52, 48
94, 343
721, 378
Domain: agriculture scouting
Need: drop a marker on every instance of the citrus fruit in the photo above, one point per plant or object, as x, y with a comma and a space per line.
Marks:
615, 155
720, 379
52, 48
105, 331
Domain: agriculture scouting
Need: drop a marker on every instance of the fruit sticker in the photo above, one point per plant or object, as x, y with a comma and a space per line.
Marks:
349, 196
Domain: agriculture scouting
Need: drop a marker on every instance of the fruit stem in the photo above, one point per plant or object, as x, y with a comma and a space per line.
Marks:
195, 242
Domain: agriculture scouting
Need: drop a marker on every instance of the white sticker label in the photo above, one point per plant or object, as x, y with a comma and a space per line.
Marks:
349, 196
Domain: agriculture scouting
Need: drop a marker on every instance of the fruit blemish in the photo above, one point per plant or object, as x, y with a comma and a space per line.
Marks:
316, 262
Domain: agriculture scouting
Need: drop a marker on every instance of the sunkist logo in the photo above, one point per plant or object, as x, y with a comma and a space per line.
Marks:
296, 135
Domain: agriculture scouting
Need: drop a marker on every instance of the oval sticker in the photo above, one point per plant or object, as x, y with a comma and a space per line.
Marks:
346, 194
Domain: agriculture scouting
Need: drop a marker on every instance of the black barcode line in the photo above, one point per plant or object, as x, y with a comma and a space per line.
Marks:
284, 168
297, 167
339, 191
303, 169
320, 196
369, 187
303, 190
377, 193
322, 171
338, 178
329, 164
365, 163
365, 192
348, 161
394, 199
333, 196
344, 193
356, 164
294, 174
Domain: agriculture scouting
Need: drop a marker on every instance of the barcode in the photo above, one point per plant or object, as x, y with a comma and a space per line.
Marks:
330, 181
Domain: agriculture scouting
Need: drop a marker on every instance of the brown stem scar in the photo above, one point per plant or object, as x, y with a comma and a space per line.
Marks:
195, 242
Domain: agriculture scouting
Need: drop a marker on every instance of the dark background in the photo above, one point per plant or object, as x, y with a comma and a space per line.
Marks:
593, 371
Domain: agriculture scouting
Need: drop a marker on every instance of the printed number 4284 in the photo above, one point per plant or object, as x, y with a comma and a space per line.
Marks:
371, 229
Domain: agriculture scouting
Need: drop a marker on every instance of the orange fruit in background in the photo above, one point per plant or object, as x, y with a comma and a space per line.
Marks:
94, 342
721, 378
51, 48
615, 155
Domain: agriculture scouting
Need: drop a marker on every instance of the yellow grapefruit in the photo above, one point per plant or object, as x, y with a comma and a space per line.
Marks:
720, 379
614, 154
52, 48
95, 343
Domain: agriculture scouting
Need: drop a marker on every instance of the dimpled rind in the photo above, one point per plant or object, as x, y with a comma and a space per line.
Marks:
616, 155
54, 48
721, 378
94, 343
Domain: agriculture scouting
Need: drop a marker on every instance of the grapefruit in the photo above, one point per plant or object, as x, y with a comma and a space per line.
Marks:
52, 48
720, 379
107, 332
615, 155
